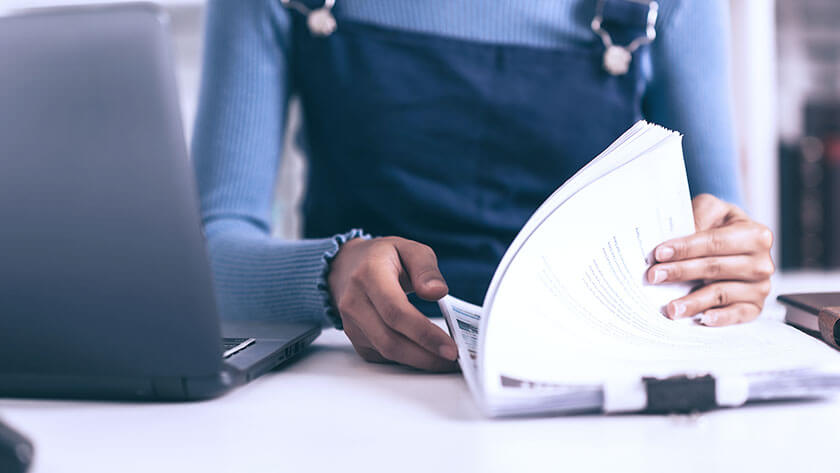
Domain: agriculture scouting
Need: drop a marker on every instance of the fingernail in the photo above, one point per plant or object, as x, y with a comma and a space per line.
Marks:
449, 352
708, 318
677, 309
435, 283
664, 253
660, 275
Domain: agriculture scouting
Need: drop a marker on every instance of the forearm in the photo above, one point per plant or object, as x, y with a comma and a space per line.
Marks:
258, 277
236, 146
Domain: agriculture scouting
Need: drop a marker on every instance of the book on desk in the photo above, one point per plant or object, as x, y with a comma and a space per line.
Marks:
569, 323
817, 314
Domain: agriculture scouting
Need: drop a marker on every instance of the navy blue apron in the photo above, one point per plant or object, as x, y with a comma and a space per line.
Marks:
449, 142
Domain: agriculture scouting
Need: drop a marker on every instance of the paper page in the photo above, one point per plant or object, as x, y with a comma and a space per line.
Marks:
573, 305
632, 143
464, 320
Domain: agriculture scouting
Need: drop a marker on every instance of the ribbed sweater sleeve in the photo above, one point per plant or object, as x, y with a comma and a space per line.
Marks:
236, 147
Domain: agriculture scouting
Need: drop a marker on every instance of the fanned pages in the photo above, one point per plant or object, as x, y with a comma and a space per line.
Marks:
569, 322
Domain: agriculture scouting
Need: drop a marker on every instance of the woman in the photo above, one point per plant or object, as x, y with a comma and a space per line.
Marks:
446, 123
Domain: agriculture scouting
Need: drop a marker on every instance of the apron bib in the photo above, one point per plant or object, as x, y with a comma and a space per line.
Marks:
449, 142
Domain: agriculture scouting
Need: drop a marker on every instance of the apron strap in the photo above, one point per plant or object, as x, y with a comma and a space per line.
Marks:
627, 23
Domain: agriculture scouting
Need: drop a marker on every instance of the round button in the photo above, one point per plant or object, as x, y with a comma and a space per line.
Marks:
321, 22
617, 60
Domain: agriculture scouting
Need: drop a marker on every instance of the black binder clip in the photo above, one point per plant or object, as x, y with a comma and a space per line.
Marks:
680, 394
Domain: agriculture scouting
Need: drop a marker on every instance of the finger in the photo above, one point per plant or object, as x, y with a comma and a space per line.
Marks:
711, 212
389, 344
395, 347
420, 264
741, 268
372, 356
733, 314
394, 309
361, 344
735, 239
718, 295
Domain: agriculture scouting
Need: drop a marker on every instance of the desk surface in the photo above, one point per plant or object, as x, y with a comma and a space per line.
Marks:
332, 411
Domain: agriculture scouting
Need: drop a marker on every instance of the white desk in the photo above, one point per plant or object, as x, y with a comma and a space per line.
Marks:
330, 411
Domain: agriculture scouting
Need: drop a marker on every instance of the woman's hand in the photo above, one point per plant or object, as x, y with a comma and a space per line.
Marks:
369, 280
731, 255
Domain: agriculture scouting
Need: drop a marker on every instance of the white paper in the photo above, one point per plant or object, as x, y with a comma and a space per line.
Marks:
569, 307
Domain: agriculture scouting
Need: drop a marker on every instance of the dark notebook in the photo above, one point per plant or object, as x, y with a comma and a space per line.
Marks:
808, 312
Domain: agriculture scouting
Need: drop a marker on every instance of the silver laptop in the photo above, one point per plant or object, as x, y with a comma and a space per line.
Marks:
105, 285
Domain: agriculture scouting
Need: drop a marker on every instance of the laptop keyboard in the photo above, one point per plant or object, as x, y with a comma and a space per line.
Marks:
232, 346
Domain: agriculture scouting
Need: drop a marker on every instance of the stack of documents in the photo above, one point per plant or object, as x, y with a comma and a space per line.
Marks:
570, 324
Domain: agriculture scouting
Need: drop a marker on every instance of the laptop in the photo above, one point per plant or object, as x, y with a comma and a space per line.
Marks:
105, 284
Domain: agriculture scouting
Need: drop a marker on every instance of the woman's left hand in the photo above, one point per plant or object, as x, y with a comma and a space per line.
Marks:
729, 253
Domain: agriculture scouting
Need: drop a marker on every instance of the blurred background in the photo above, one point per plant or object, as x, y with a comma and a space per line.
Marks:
786, 78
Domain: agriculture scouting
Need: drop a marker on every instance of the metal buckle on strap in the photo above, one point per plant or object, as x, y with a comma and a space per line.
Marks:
617, 58
320, 21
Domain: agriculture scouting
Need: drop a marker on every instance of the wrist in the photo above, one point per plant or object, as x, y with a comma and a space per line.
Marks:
338, 263
343, 242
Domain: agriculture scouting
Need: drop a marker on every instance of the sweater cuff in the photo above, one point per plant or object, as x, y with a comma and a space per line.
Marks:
330, 309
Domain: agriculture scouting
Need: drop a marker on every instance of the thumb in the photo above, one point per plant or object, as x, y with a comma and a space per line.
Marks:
709, 212
420, 265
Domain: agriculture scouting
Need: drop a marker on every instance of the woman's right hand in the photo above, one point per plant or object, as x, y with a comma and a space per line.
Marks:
369, 281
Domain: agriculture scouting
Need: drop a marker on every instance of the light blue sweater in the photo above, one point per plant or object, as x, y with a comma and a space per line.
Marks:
245, 91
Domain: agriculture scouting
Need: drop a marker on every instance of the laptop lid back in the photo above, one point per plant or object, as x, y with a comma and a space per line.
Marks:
103, 269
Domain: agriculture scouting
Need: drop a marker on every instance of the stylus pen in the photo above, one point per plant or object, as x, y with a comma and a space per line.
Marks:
16, 451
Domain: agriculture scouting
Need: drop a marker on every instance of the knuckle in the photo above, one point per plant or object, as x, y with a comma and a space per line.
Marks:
389, 242
371, 356
765, 237
423, 248
748, 313
423, 251
713, 269
391, 315
675, 272
360, 274
429, 253
425, 272
345, 305
388, 347
764, 288
680, 249
704, 199
348, 303
716, 243
425, 336
721, 296
350, 331
763, 270
364, 352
